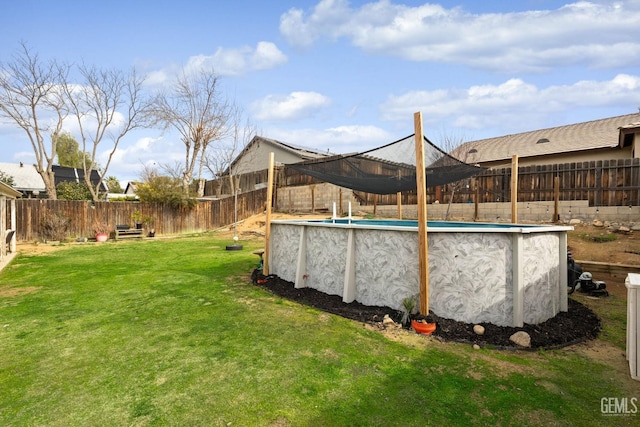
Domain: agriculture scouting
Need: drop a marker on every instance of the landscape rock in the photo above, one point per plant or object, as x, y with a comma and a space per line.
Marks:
521, 339
476, 347
388, 322
598, 223
575, 221
478, 329
624, 229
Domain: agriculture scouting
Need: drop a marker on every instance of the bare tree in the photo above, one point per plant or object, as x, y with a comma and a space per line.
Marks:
219, 158
196, 109
107, 105
31, 96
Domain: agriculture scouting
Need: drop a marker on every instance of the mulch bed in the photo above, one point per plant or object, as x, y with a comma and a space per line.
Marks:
578, 324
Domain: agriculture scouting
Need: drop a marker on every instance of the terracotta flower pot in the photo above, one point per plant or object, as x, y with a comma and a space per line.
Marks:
102, 237
423, 328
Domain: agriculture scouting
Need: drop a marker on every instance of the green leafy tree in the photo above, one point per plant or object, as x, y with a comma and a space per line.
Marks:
73, 191
114, 185
154, 187
7, 179
69, 153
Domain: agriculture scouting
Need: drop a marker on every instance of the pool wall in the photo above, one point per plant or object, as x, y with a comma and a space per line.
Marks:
506, 275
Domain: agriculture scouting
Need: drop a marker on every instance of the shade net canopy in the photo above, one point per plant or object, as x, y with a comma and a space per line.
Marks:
388, 169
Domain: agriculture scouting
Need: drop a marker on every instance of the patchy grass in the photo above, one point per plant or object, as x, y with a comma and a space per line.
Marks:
171, 332
599, 238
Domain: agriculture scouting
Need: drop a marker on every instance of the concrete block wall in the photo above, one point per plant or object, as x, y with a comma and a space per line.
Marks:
539, 212
299, 199
319, 196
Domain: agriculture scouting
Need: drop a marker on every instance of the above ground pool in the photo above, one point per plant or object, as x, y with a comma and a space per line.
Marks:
504, 274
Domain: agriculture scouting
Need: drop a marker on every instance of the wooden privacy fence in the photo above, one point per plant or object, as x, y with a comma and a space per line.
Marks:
602, 183
206, 215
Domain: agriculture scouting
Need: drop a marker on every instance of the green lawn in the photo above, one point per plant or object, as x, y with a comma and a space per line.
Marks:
172, 332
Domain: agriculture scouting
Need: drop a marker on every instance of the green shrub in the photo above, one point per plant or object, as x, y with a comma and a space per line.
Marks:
73, 191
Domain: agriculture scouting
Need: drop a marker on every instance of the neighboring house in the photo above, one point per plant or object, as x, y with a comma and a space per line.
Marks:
131, 188
26, 179
29, 182
605, 139
255, 156
8, 222
66, 174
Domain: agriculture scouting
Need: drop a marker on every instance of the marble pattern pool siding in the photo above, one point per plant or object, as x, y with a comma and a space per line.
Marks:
471, 270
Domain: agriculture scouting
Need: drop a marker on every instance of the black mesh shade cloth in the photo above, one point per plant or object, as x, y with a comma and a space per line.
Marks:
389, 169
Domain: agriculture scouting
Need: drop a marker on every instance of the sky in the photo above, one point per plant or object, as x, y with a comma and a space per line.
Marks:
346, 76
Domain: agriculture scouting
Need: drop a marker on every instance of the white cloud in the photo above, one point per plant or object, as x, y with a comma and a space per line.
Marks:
339, 139
239, 61
513, 101
128, 160
293, 106
598, 34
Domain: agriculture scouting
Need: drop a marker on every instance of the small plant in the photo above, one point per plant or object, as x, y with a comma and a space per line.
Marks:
100, 227
408, 307
136, 217
148, 221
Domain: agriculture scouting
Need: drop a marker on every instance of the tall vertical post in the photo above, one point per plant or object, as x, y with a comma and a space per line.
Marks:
267, 233
421, 184
13, 224
514, 189
3, 228
399, 197
556, 198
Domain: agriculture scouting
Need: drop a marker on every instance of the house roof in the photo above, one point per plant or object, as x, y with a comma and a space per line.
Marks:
7, 190
303, 153
595, 134
68, 174
25, 177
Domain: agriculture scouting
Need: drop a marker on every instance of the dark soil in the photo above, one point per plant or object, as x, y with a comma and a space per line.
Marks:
576, 325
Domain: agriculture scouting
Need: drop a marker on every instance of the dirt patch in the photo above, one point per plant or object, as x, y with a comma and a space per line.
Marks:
39, 248
590, 243
10, 292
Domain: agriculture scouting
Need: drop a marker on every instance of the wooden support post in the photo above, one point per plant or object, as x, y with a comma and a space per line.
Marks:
399, 197
313, 198
267, 234
3, 228
421, 183
556, 198
13, 224
476, 202
340, 203
514, 189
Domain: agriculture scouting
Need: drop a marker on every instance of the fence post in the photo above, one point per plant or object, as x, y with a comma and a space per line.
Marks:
514, 189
